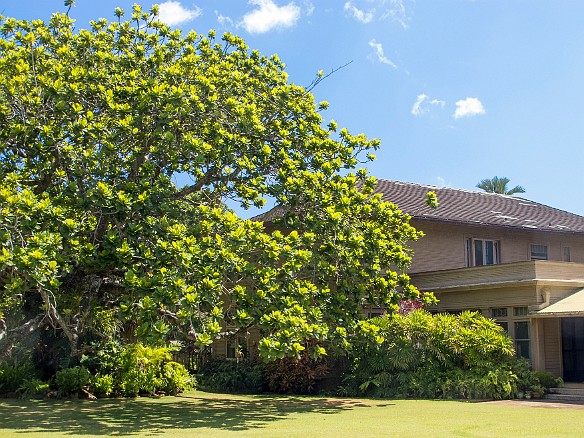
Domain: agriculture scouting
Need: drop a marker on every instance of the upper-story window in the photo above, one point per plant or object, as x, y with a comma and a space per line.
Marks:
480, 252
566, 256
539, 252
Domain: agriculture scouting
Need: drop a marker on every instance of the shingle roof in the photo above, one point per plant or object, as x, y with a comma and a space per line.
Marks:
478, 208
471, 208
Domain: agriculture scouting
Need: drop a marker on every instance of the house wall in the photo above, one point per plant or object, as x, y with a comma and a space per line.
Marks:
443, 246
249, 338
552, 342
485, 299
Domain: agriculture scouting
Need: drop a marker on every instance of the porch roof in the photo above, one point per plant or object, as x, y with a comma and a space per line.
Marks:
572, 305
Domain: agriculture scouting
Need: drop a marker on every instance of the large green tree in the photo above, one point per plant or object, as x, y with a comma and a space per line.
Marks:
97, 240
499, 185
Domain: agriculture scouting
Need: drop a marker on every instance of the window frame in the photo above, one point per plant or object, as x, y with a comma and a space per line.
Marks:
538, 256
512, 319
232, 342
522, 341
568, 253
471, 251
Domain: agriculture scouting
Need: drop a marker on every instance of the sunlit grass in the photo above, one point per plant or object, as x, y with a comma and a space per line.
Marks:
203, 414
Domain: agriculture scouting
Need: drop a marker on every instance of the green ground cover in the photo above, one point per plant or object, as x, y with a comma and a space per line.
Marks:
203, 414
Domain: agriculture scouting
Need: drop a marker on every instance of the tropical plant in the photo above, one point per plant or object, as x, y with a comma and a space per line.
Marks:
499, 185
136, 369
434, 356
15, 373
297, 376
100, 241
231, 376
72, 380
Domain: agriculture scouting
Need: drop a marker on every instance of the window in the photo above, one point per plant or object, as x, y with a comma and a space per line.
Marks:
236, 347
500, 312
539, 252
522, 339
500, 315
374, 313
566, 254
480, 252
520, 311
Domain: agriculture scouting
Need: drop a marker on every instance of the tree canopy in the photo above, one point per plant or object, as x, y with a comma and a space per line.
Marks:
97, 239
499, 185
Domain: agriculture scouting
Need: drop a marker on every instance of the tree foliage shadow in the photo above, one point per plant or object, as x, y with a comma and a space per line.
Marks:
155, 416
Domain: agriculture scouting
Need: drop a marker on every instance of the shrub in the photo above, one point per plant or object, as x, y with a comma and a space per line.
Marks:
14, 374
102, 384
291, 375
175, 378
547, 380
138, 369
71, 380
230, 376
434, 356
538, 381
33, 388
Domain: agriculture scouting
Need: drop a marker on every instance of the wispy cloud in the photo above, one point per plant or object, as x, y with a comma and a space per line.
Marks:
380, 54
423, 103
442, 182
366, 11
223, 20
359, 14
309, 6
173, 13
397, 11
268, 16
470, 106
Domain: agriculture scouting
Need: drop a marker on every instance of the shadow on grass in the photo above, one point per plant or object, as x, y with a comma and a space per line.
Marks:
127, 417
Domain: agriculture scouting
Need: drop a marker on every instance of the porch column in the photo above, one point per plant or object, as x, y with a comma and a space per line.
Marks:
537, 344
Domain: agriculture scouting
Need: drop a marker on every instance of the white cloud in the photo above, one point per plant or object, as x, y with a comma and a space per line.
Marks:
442, 182
380, 55
269, 16
417, 108
359, 14
366, 11
396, 11
423, 103
470, 106
309, 7
223, 20
173, 13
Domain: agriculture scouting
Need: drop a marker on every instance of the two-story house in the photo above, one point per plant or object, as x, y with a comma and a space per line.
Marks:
514, 260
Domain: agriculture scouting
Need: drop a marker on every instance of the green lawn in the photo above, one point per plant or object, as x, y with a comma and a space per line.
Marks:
203, 414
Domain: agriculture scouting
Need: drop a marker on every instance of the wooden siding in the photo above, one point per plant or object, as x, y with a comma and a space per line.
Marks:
443, 246
552, 346
484, 300
251, 339
497, 275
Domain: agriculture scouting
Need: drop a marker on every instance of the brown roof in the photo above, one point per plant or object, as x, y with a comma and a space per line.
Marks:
470, 207
478, 208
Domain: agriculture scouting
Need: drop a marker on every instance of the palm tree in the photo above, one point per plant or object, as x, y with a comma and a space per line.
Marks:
499, 185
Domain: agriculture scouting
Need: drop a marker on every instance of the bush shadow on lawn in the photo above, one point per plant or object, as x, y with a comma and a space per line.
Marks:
131, 416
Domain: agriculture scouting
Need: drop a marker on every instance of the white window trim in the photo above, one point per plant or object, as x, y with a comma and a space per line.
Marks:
471, 257
547, 248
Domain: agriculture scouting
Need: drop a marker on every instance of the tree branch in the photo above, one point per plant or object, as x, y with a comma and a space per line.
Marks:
55, 317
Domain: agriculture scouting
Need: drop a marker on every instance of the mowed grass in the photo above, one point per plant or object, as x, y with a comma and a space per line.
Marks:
203, 414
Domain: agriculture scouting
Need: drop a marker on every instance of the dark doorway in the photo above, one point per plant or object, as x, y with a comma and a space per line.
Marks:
573, 349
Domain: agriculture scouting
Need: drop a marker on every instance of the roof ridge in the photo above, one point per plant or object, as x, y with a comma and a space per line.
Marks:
454, 188
478, 192
472, 207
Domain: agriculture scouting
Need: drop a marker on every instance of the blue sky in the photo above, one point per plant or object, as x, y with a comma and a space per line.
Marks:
457, 90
